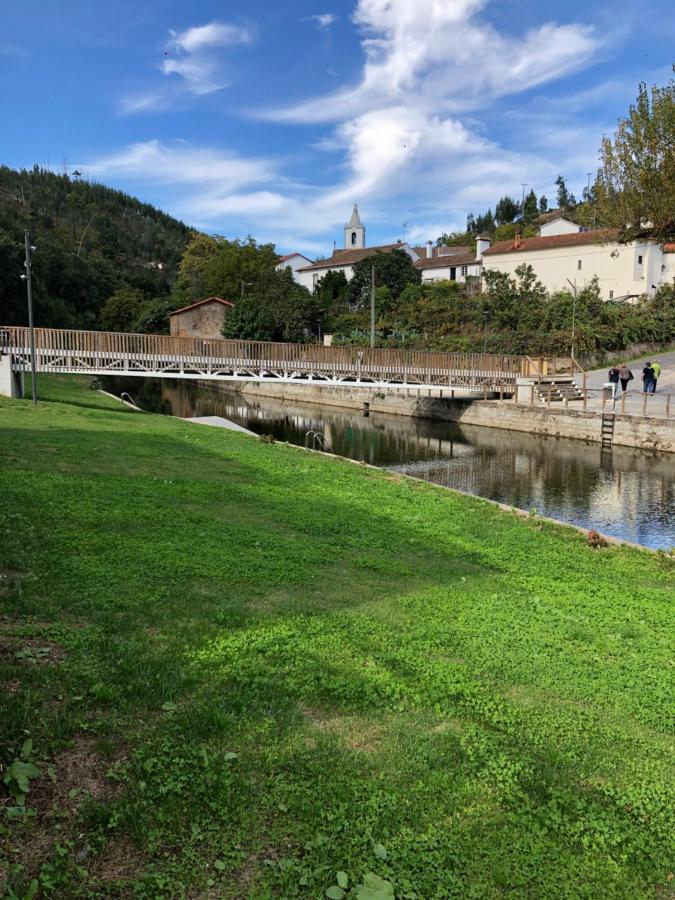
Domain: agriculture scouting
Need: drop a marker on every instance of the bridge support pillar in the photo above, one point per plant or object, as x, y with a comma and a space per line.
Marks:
11, 383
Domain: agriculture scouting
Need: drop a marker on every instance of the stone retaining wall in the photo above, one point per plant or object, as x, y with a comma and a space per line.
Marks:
645, 433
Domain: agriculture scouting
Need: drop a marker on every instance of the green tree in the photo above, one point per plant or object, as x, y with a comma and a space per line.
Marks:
543, 204
394, 270
121, 309
217, 267
506, 210
275, 308
635, 186
153, 316
530, 210
563, 193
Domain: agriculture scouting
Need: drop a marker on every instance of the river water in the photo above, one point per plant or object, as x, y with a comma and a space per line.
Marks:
625, 493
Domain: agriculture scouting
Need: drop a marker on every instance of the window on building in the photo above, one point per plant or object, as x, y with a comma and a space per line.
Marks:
453, 274
611, 295
639, 260
315, 279
353, 239
578, 264
465, 269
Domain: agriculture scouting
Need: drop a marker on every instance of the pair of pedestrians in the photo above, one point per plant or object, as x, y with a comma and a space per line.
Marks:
620, 375
650, 375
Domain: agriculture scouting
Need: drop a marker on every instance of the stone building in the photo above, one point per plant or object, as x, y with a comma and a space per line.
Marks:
204, 319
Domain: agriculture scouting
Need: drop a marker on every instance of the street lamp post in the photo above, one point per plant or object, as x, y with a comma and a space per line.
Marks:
574, 310
28, 278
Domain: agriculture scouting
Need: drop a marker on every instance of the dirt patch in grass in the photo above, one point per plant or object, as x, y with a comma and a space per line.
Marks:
80, 773
118, 862
31, 651
354, 731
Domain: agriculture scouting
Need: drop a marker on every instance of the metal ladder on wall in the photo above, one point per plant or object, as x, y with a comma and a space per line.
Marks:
607, 430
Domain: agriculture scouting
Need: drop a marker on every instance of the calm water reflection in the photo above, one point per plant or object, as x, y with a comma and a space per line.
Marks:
628, 494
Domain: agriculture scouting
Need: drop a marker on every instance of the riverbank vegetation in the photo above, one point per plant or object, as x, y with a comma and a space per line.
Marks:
234, 669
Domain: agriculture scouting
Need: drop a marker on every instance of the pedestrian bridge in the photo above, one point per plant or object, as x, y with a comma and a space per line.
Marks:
160, 356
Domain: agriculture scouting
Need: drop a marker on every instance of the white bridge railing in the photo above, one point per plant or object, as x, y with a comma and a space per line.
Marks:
106, 353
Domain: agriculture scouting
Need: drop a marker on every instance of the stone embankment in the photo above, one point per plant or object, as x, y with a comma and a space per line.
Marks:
644, 433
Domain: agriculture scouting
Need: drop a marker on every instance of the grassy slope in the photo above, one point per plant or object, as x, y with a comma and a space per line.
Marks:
414, 684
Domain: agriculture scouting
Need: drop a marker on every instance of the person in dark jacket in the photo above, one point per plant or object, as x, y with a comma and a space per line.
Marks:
613, 378
647, 378
625, 375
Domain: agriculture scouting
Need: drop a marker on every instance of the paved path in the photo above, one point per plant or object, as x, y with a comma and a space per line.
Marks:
634, 403
220, 422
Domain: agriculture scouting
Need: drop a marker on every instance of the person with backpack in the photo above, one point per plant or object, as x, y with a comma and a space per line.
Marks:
647, 378
613, 378
656, 369
625, 375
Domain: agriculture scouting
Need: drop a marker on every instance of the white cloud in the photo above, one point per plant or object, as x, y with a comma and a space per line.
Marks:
179, 163
215, 34
190, 54
400, 137
323, 21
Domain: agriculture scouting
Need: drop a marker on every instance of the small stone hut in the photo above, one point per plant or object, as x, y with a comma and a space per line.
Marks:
204, 319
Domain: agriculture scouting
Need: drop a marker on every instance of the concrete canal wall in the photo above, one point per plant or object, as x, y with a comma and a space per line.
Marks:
645, 433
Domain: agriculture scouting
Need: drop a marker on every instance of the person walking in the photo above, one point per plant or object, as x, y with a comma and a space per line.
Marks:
656, 369
625, 375
647, 378
613, 378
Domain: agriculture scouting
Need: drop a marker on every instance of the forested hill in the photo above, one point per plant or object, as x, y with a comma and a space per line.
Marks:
91, 240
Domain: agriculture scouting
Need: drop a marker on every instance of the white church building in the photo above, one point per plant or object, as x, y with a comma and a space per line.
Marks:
435, 263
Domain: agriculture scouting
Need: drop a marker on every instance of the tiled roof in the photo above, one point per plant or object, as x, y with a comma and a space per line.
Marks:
669, 248
445, 262
600, 236
201, 303
349, 257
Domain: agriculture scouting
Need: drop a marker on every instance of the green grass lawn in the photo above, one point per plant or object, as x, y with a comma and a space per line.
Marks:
233, 669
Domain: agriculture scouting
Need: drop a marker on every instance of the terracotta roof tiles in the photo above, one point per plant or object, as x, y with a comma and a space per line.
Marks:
581, 238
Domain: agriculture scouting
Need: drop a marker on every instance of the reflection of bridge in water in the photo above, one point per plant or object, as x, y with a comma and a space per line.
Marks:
160, 356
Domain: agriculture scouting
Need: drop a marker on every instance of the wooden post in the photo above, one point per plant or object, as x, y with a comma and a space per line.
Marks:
485, 392
585, 395
623, 403
644, 404
549, 393
667, 405
532, 394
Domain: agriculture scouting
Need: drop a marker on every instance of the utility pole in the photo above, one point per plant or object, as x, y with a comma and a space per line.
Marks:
28, 278
588, 187
372, 307
574, 310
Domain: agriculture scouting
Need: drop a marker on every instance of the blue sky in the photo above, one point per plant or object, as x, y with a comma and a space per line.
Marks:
272, 119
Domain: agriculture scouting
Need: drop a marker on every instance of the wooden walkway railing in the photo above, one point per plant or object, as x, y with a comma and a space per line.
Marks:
95, 352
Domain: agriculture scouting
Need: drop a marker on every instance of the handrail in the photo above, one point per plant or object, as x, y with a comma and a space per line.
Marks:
307, 358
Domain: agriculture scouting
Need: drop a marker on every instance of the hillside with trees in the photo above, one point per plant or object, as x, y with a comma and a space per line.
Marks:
92, 242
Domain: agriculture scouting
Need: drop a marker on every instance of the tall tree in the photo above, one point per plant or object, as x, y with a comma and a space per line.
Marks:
635, 186
543, 204
530, 210
506, 210
394, 270
215, 266
275, 308
563, 193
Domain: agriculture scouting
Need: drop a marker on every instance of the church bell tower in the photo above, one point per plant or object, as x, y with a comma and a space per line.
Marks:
355, 232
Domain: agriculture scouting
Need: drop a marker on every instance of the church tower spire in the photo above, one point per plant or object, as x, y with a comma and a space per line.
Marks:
355, 232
